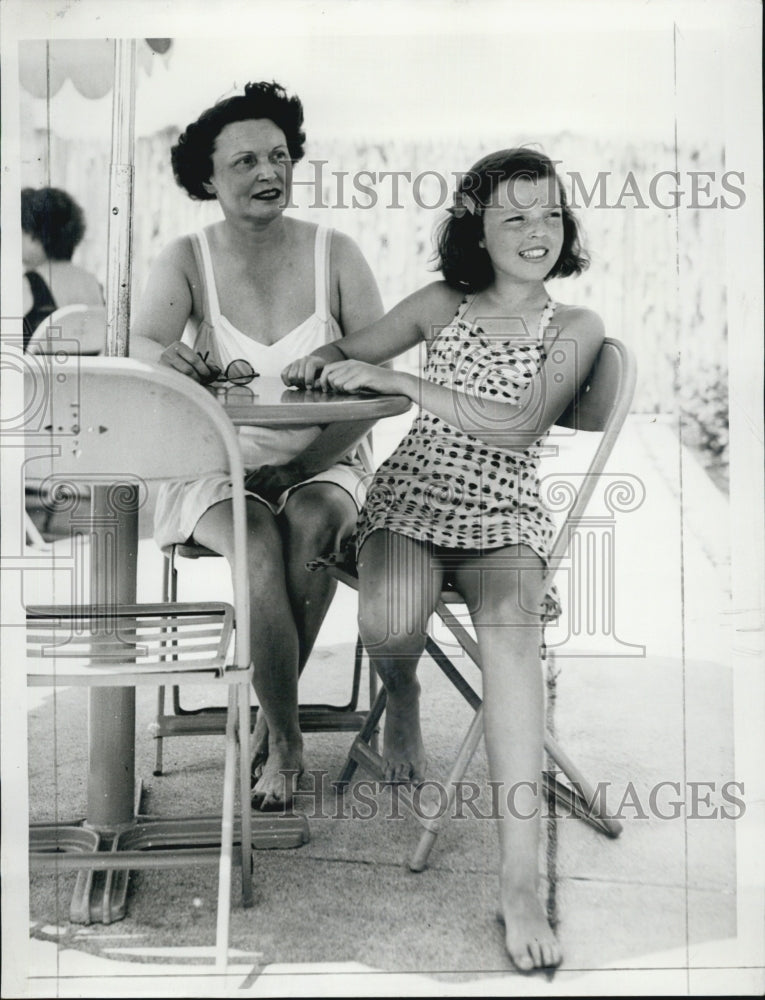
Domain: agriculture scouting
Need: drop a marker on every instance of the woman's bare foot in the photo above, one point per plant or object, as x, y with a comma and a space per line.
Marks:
529, 939
403, 751
277, 784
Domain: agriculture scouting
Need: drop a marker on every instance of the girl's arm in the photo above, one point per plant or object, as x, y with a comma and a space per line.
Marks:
164, 309
502, 424
406, 325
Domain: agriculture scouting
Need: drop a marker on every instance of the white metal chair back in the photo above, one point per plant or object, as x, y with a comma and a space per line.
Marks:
96, 420
77, 328
601, 406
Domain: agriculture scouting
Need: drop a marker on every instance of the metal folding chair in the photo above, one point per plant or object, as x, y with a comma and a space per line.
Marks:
601, 406
109, 421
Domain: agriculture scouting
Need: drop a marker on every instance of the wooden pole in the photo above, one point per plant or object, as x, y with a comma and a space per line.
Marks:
119, 237
111, 774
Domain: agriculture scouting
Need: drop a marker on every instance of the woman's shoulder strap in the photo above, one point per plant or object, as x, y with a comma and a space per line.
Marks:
210, 306
322, 271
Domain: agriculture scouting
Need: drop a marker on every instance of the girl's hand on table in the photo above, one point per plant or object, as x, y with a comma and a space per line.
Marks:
188, 362
355, 376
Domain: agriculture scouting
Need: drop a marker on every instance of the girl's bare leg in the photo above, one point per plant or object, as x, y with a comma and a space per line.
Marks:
274, 640
504, 591
316, 519
398, 584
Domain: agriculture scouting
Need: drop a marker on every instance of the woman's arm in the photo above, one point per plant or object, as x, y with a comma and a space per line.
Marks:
164, 309
333, 444
355, 298
503, 424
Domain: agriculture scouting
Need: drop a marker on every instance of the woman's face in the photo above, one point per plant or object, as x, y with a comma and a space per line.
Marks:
252, 170
523, 228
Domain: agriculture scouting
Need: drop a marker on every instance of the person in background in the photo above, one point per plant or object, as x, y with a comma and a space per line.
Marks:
52, 227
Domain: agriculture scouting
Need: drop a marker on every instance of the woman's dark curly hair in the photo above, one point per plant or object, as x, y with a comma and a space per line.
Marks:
467, 266
54, 218
192, 155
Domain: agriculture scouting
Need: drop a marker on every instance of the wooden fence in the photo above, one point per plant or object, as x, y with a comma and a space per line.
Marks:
657, 274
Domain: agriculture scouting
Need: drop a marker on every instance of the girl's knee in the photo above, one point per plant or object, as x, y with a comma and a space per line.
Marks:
521, 609
384, 637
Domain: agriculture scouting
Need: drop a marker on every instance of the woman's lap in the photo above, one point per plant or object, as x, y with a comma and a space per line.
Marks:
181, 505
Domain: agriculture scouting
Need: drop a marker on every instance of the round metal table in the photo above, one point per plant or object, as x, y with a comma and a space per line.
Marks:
267, 402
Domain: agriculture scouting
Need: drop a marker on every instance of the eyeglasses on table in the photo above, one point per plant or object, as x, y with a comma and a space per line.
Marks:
237, 372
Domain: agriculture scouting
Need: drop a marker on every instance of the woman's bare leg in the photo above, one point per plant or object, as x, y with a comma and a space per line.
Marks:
274, 639
399, 583
504, 591
316, 519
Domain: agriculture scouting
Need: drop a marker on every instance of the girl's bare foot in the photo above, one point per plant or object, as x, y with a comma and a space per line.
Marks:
259, 746
529, 939
403, 751
277, 784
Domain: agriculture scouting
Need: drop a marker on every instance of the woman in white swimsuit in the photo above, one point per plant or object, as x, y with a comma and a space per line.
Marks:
266, 288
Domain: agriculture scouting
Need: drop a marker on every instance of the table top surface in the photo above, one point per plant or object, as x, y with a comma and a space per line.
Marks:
267, 402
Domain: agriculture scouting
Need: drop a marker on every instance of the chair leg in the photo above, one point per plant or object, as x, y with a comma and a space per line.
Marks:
432, 826
169, 595
374, 686
226, 838
360, 752
245, 793
158, 755
585, 799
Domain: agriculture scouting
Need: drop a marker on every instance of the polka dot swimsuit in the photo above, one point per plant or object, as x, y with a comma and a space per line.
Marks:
447, 487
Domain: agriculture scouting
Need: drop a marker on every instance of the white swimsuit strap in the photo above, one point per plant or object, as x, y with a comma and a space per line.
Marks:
544, 321
208, 278
322, 273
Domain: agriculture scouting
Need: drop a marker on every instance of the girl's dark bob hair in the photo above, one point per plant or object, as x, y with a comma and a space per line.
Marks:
53, 217
191, 156
464, 264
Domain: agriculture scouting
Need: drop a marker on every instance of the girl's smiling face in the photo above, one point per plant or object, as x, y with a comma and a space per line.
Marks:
252, 169
523, 228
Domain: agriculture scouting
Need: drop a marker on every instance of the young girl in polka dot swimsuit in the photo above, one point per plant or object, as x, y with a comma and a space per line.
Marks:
459, 497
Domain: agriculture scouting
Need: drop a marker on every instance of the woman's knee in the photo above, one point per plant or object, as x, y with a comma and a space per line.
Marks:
318, 516
215, 530
265, 548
